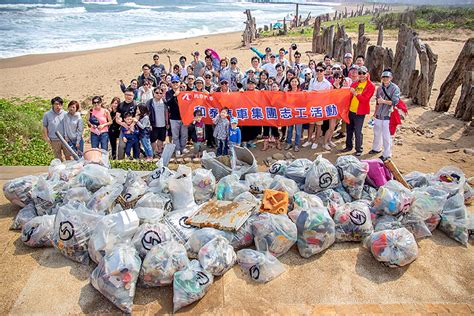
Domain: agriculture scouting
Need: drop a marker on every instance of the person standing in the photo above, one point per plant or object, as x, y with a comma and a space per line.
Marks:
179, 131
52, 122
387, 96
232, 74
347, 64
127, 106
198, 65
145, 92
317, 84
158, 120
99, 120
157, 68
294, 87
362, 92
114, 128
73, 128
146, 74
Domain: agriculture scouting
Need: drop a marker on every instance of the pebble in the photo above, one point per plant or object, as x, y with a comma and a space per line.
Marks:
469, 151
452, 151
278, 156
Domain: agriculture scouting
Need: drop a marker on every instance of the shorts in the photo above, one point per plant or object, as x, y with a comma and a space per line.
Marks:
158, 133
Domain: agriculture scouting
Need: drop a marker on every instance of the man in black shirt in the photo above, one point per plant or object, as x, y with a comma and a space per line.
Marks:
125, 107
179, 131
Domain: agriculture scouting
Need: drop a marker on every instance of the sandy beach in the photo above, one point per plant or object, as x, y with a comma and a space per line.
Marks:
81, 75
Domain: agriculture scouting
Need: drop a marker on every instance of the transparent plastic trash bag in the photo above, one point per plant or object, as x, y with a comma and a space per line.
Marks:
149, 235
243, 237
451, 178
111, 230
78, 194
454, 219
297, 170
176, 222
134, 187
38, 231
392, 199
103, 199
73, 226
258, 182
217, 256
161, 263
278, 167
229, 187
353, 173
93, 177
23, 216
117, 274
306, 200
202, 236
190, 285
316, 230
181, 188
204, 184
393, 248
353, 221
259, 266
321, 176
275, 233
18, 190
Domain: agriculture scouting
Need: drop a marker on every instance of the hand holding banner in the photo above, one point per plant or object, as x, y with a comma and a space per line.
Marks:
268, 108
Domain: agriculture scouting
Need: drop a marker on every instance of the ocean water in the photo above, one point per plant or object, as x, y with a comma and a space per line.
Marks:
52, 28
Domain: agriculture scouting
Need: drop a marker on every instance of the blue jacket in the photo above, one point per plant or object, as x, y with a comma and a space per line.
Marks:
234, 135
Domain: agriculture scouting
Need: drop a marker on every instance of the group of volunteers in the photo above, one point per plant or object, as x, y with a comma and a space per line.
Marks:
138, 125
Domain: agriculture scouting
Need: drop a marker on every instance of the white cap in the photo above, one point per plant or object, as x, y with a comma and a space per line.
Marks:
307, 71
348, 55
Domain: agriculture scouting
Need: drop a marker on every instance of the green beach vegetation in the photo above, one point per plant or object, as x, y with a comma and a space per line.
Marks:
427, 18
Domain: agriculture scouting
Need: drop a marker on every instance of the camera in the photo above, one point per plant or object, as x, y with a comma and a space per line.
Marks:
293, 46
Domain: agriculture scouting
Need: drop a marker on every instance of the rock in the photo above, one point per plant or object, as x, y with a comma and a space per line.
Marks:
469, 151
452, 151
289, 155
278, 156
423, 158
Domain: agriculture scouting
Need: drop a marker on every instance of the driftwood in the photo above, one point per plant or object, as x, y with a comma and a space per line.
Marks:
388, 58
375, 61
465, 108
465, 61
361, 47
413, 83
380, 35
405, 58
317, 45
250, 32
342, 43
423, 93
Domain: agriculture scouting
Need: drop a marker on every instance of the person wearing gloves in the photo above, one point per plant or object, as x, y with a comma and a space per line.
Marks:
362, 92
387, 96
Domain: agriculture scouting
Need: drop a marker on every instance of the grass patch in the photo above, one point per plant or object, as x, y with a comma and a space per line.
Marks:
21, 143
138, 165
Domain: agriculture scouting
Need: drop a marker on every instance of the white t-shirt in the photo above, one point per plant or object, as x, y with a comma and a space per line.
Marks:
270, 68
315, 85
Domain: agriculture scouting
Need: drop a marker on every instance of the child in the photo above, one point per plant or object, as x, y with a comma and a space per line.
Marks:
221, 132
130, 137
234, 133
196, 130
144, 129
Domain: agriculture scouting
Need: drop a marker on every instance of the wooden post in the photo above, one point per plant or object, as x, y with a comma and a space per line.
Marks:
388, 58
296, 15
361, 47
433, 64
405, 58
285, 29
330, 37
316, 44
465, 61
465, 107
422, 95
413, 83
375, 61
380, 35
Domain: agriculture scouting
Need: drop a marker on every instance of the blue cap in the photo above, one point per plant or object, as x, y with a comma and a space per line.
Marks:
175, 78
234, 120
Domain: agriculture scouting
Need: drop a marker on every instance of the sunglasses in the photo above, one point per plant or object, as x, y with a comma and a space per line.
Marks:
156, 59
208, 77
95, 102
362, 73
157, 92
319, 70
233, 63
190, 78
224, 83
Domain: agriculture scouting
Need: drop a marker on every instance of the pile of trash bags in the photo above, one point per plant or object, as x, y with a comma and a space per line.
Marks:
133, 225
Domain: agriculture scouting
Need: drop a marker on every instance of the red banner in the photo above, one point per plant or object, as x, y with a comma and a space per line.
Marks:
268, 108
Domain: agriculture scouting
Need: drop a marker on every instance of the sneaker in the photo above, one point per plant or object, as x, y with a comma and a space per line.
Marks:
251, 145
296, 148
346, 150
327, 147
178, 153
358, 153
306, 144
314, 146
332, 144
288, 146
383, 158
185, 151
374, 152
339, 135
